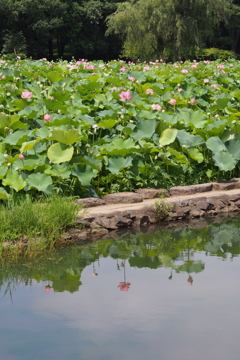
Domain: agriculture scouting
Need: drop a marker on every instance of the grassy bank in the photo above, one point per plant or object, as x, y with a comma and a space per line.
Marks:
28, 226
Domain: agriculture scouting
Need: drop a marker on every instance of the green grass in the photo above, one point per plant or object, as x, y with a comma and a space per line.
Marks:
37, 224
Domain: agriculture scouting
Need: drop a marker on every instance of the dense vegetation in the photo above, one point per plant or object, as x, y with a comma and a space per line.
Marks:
84, 128
145, 30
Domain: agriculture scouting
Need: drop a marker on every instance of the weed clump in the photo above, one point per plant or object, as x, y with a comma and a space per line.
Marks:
36, 225
161, 209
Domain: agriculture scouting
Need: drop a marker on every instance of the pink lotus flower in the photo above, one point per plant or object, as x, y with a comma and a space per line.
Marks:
184, 71
131, 78
149, 92
220, 67
3, 77
206, 81
192, 101
194, 66
213, 86
124, 286
156, 107
180, 89
224, 72
114, 88
146, 68
91, 67
21, 156
123, 68
47, 117
217, 115
125, 95
26, 95
172, 101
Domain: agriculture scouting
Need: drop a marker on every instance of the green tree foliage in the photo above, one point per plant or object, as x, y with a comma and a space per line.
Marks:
54, 28
169, 28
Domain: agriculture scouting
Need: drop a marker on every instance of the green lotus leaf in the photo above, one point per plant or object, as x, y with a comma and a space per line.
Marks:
4, 120
233, 147
144, 129
118, 147
13, 119
63, 170
29, 145
138, 75
117, 163
43, 132
196, 118
58, 153
224, 161
41, 182
61, 97
30, 111
17, 137
54, 76
66, 137
168, 137
107, 124
3, 194
181, 158
220, 104
3, 170
185, 138
14, 180
30, 162
215, 144
95, 163
84, 173
169, 118
195, 154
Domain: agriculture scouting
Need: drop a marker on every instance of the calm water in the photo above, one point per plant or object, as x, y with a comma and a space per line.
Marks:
161, 295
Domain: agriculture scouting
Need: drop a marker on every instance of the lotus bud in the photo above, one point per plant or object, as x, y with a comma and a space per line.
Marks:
21, 156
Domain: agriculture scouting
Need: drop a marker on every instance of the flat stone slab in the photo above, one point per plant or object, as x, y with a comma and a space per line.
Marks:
190, 189
90, 202
123, 198
153, 193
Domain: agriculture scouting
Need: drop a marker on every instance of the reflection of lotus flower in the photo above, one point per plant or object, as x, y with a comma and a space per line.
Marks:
124, 286
47, 288
190, 280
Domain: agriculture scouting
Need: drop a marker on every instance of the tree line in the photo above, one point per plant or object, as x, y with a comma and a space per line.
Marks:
107, 29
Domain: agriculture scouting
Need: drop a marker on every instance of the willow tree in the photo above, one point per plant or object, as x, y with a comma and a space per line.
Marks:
166, 28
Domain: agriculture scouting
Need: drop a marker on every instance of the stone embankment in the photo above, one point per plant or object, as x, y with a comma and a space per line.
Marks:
134, 209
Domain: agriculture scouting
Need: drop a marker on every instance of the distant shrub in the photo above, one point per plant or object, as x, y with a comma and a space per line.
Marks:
215, 54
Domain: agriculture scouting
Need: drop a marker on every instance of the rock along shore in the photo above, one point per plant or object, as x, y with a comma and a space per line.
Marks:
134, 209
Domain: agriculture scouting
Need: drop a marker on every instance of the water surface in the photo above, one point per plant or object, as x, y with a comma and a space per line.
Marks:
162, 294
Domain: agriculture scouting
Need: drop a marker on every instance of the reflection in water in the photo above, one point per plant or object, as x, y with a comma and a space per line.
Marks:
176, 250
163, 295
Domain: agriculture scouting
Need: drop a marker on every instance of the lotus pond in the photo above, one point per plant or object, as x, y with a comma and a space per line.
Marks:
161, 293
90, 128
